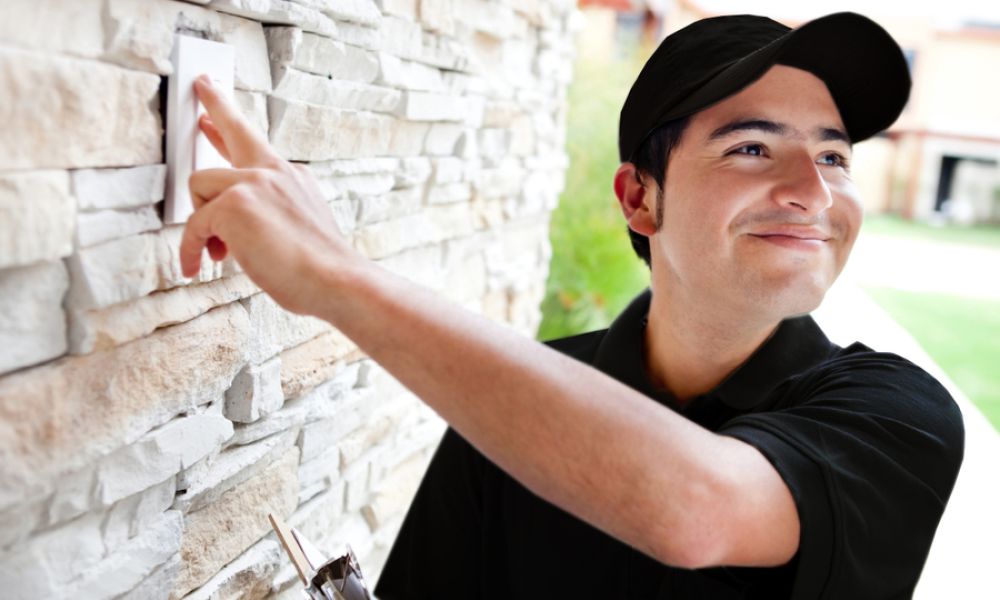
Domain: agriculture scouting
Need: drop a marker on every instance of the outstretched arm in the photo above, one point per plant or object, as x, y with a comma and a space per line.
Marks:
574, 436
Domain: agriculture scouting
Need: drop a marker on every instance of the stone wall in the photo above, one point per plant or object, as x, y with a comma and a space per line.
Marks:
149, 422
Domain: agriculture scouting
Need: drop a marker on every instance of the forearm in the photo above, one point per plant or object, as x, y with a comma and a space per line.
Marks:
571, 434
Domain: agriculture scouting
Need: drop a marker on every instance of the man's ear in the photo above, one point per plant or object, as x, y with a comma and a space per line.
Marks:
636, 200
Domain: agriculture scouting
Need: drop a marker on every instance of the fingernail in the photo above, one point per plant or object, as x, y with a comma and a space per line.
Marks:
205, 79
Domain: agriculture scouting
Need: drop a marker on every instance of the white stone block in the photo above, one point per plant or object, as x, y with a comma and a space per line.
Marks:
357, 186
41, 567
17, 522
322, 402
322, 435
249, 576
279, 11
93, 228
413, 171
32, 322
390, 205
274, 329
131, 387
361, 36
128, 565
302, 131
256, 392
401, 37
449, 192
114, 271
319, 55
400, 73
425, 106
159, 455
75, 494
157, 585
97, 189
105, 328
442, 138
230, 468
365, 12
305, 87
438, 15
447, 169
253, 105
132, 515
36, 217
406, 9
94, 114
76, 29
407, 137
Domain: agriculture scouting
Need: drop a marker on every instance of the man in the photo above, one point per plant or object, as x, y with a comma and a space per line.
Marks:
712, 443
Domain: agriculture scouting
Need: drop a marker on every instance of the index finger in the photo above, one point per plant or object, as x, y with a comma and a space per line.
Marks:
247, 148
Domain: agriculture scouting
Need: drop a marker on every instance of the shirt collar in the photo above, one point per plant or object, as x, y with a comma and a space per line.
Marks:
797, 344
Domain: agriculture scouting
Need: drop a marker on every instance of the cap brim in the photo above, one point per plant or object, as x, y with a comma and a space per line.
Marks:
858, 60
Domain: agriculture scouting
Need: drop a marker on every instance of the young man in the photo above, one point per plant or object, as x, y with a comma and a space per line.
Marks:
712, 443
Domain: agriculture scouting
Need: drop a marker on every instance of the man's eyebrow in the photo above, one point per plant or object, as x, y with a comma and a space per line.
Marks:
823, 134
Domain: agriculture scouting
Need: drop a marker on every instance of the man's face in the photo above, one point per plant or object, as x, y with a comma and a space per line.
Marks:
759, 211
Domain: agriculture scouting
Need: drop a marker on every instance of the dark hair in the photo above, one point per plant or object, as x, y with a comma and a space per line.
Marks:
650, 159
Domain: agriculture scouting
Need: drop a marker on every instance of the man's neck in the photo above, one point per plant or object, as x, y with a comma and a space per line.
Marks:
691, 348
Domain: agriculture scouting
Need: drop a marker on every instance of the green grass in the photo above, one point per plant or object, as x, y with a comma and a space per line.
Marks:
594, 272
961, 334
977, 235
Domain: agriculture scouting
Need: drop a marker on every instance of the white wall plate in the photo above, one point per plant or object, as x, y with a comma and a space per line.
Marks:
188, 149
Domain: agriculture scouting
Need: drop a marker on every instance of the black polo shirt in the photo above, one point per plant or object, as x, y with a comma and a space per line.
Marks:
868, 443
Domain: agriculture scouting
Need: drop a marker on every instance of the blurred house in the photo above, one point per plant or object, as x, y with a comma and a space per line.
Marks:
941, 160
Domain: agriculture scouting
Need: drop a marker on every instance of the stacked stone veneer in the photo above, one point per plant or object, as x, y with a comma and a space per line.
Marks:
149, 422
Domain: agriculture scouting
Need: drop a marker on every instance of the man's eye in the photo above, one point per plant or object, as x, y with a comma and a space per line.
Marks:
750, 149
834, 159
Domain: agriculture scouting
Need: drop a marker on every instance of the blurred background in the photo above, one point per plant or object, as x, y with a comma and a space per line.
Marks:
929, 251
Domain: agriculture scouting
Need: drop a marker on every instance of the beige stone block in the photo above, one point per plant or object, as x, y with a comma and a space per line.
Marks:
220, 532
36, 217
91, 114
306, 87
311, 363
255, 393
105, 400
105, 328
307, 132
32, 322
421, 265
98, 189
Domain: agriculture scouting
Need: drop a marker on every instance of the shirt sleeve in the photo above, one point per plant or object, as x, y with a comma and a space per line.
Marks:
869, 448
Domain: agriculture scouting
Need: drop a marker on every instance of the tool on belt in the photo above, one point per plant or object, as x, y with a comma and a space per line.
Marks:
335, 579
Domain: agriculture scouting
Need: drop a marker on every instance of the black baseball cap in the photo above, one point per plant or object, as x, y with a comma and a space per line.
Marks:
711, 59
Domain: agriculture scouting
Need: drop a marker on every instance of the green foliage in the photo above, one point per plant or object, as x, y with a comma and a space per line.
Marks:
961, 334
594, 272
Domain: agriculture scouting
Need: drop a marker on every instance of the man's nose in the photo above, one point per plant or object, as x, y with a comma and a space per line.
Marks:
802, 186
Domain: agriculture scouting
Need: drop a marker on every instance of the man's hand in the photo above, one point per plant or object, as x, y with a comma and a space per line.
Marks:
269, 213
